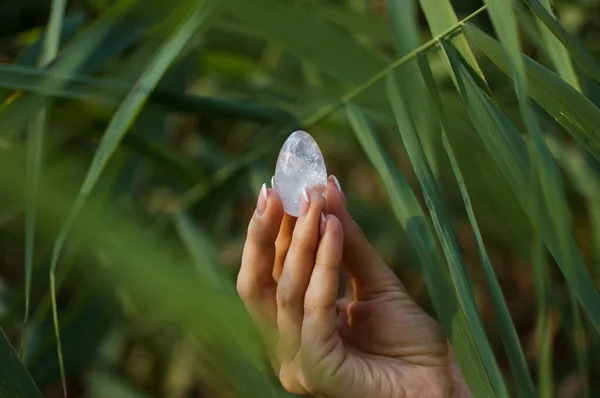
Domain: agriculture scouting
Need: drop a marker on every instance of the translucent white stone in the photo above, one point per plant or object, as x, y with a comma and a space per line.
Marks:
300, 165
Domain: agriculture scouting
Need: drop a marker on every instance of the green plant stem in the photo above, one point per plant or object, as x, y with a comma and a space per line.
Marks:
35, 145
328, 110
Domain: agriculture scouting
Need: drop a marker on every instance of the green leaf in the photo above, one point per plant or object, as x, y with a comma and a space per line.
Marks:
576, 49
445, 234
15, 381
557, 52
339, 56
440, 16
409, 213
110, 92
508, 333
202, 252
18, 111
406, 39
35, 145
576, 113
508, 149
119, 125
129, 109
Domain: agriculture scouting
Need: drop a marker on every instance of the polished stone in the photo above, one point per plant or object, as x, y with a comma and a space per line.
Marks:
300, 165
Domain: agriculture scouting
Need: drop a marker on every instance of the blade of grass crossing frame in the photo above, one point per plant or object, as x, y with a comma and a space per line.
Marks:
575, 48
554, 225
557, 52
15, 381
120, 123
440, 15
14, 113
577, 331
409, 213
35, 144
202, 253
564, 67
445, 234
541, 286
575, 112
508, 333
545, 170
406, 38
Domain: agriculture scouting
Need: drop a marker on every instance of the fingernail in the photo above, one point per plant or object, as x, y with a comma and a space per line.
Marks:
339, 187
323, 224
304, 202
273, 182
261, 205
337, 184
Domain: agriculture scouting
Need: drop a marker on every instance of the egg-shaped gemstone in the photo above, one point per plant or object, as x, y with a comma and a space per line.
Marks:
300, 165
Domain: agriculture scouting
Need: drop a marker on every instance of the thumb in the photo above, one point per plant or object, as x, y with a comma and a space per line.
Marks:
369, 275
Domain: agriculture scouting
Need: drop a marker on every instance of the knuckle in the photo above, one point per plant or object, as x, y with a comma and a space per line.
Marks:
257, 235
286, 297
289, 381
245, 290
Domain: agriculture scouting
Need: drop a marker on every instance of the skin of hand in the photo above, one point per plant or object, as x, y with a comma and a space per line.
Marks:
374, 342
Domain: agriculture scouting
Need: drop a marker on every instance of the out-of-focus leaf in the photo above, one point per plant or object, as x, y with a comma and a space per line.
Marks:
508, 333
129, 109
19, 110
570, 108
439, 285
110, 92
339, 55
15, 382
202, 252
31, 54
574, 47
86, 321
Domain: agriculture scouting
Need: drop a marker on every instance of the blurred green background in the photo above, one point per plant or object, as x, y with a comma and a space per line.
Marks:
171, 115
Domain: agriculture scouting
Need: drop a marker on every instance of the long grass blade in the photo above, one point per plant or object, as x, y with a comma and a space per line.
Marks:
576, 113
35, 144
202, 252
440, 15
576, 49
445, 234
19, 110
508, 333
15, 381
496, 130
409, 213
119, 125
406, 38
557, 52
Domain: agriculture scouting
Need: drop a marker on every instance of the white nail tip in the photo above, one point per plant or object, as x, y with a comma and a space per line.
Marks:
305, 194
337, 184
263, 190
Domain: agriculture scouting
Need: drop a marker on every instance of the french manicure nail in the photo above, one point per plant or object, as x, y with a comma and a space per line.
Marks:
304, 202
273, 182
337, 184
305, 195
323, 224
261, 205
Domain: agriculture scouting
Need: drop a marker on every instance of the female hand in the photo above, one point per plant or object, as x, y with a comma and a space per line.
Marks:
374, 342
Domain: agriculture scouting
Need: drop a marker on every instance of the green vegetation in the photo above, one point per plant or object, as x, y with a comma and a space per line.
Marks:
135, 136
